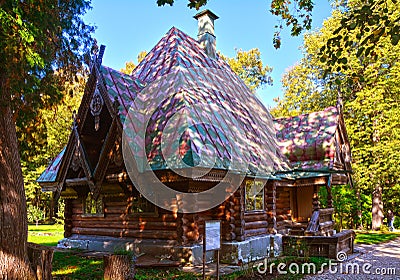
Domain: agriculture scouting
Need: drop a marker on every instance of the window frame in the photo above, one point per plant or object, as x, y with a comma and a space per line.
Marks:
145, 201
254, 198
84, 206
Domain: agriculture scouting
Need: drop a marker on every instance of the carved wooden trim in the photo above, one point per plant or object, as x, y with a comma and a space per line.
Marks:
105, 156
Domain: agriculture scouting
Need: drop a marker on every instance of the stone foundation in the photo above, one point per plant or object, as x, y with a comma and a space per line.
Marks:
254, 248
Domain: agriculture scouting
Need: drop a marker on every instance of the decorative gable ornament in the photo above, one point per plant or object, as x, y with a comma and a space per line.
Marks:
96, 105
75, 162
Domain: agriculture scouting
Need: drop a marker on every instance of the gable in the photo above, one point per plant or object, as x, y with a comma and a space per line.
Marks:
314, 142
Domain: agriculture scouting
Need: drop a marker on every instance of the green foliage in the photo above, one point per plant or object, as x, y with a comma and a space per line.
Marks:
249, 67
348, 204
55, 125
43, 45
60, 213
370, 91
366, 25
129, 66
35, 214
294, 14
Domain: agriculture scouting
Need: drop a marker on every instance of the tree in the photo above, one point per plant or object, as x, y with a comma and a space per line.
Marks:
295, 14
370, 88
368, 24
35, 214
249, 67
54, 125
42, 45
374, 19
129, 66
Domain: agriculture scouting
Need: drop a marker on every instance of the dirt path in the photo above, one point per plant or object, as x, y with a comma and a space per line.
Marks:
380, 261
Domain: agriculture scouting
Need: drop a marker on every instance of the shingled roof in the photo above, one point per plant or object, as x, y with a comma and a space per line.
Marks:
50, 174
215, 107
309, 141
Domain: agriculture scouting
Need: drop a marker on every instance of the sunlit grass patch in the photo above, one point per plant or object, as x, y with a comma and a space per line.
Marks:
70, 266
47, 235
46, 228
375, 237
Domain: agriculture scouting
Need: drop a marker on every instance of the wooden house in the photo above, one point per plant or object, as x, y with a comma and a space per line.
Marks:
267, 172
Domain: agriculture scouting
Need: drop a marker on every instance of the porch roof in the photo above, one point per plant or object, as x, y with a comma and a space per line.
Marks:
50, 174
308, 140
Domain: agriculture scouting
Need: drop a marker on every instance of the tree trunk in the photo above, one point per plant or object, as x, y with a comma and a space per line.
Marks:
119, 267
14, 263
41, 258
377, 207
359, 224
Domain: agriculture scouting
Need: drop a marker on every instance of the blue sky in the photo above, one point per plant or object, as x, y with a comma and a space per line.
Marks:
128, 27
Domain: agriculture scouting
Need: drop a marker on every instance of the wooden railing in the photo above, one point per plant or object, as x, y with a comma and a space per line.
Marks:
321, 223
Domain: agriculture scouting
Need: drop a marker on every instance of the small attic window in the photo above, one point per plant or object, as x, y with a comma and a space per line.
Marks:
254, 195
92, 207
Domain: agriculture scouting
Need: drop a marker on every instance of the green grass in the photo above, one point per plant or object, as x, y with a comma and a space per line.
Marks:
67, 265
375, 237
70, 266
47, 235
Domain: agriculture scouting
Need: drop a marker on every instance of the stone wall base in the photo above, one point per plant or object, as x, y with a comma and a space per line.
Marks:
254, 248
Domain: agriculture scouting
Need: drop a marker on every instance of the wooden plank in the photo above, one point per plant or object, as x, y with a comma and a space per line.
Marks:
150, 234
256, 225
127, 225
254, 232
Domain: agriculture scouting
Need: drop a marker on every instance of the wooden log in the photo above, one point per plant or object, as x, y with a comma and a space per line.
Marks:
283, 217
128, 225
325, 225
192, 235
282, 204
255, 225
283, 195
119, 267
230, 236
128, 217
147, 234
270, 200
254, 218
40, 258
253, 232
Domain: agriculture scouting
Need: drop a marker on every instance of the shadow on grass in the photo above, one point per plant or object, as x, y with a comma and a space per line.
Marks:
69, 266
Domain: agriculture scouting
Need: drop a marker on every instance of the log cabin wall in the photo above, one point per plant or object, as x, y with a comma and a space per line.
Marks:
186, 228
230, 213
283, 210
256, 222
270, 205
68, 217
118, 222
239, 213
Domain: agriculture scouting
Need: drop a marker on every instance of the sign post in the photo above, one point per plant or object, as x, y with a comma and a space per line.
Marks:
211, 242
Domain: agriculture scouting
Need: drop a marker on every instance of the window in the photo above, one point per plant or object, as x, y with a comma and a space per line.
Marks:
92, 207
140, 205
254, 195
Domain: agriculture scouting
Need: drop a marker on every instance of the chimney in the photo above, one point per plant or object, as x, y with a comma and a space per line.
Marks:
206, 36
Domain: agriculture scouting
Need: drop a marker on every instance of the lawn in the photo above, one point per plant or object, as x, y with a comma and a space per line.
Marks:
47, 235
375, 237
68, 265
